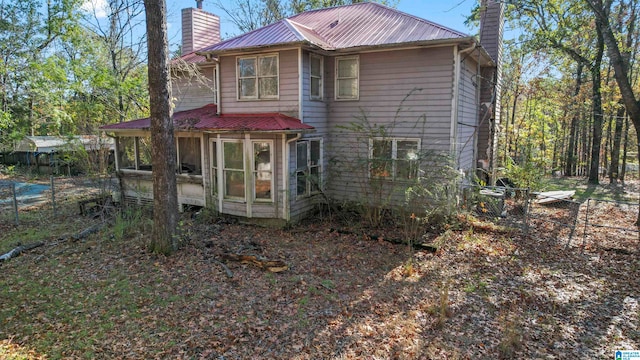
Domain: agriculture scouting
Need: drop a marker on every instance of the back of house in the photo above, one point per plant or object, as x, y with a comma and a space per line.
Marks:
335, 104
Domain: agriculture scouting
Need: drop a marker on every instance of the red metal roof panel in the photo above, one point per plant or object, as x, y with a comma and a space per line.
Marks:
342, 27
206, 119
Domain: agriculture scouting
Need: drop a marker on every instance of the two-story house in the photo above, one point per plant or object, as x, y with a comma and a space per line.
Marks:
316, 104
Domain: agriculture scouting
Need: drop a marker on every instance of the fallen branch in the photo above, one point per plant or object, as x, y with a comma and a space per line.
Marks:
417, 246
269, 265
19, 249
226, 269
88, 231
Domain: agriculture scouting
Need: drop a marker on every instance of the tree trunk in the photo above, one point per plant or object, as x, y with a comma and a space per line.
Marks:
614, 169
625, 146
597, 110
620, 66
165, 199
572, 150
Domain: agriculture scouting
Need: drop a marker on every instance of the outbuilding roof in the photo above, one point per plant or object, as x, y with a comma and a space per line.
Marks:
48, 144
206, 119
343, 27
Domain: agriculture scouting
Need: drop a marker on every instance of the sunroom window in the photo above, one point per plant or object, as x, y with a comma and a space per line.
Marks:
134, 153
233, 166
262, 170
189, 156
258, 77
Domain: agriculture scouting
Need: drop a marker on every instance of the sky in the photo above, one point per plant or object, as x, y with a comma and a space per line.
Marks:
448, 13
451, 14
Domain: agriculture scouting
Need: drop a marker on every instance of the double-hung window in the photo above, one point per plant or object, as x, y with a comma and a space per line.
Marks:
347, 78
316, 65
394, 159
233, 169
308, 167
258, 77
263, 170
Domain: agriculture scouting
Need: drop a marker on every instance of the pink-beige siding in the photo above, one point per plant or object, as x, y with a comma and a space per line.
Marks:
467, 115
190, 91
287, 102
408, 91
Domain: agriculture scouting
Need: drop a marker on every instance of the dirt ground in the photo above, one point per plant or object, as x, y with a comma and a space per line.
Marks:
488, 292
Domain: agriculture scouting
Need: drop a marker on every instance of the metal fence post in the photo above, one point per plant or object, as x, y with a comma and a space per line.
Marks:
586, 223
15, 202
53, 197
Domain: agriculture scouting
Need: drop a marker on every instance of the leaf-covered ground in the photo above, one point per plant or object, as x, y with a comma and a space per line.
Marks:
487, 293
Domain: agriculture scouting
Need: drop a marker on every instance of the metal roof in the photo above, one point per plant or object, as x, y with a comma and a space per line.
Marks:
343, 27
207, 119
55, 143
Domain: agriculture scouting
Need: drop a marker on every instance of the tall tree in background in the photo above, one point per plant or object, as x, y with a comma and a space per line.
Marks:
249, 15
165, 198
28, 32
125, 45
565, 27
619, 58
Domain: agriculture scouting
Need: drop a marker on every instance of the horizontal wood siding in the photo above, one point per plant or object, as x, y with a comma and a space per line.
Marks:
407, 91
314, 111
288, 81
467, 115
192, 92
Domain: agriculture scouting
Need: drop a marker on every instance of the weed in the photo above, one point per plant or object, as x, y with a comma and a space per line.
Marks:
408, 268
441, 309
511, 340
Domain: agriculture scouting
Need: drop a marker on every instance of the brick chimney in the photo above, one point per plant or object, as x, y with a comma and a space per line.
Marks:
491, 32
199, 29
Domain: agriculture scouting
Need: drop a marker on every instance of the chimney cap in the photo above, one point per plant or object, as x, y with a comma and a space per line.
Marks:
199, 4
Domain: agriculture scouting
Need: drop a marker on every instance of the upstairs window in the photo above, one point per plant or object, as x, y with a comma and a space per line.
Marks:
316, 65
347, 78
258, 77
394, 159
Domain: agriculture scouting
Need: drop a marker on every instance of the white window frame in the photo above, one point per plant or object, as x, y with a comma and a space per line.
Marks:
394, 156
320, 77
225, 168
254, 171
213, 155
257, 78
307, 169
355, 96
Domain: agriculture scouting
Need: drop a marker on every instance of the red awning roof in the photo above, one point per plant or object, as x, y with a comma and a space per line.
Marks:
206, 119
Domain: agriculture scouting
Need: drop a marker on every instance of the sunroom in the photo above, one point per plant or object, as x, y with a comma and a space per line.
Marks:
236, 164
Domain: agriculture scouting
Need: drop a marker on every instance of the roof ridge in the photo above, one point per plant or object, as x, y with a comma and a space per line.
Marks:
293, 29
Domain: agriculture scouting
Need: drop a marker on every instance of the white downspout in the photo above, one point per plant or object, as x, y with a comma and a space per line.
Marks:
285, 174
300, 86
217, 85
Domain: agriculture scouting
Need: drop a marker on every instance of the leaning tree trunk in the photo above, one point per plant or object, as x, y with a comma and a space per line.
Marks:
614, 169
620, 66
165, 200
594, 166
572, 150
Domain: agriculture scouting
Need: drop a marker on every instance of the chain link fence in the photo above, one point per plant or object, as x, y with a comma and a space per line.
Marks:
35, 201
553, 216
